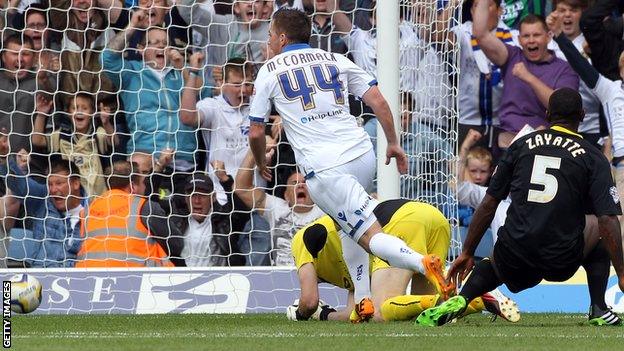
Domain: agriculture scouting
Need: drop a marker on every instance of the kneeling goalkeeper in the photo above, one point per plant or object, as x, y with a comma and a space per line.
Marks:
317, 251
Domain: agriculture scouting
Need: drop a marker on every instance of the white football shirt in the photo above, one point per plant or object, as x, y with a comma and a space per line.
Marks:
225, 130
611, 95
309, 89
197, 238
284, 223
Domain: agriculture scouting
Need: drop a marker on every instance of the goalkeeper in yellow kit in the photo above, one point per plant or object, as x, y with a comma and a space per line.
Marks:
318, 256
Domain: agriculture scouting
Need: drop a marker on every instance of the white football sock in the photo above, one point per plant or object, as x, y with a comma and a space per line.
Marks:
394, 251
357, 261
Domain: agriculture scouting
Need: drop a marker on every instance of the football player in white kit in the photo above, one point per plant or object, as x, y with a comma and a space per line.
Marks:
309, 89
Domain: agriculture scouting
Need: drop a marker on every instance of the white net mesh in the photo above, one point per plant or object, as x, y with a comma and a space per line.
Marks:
429, 83
78, 83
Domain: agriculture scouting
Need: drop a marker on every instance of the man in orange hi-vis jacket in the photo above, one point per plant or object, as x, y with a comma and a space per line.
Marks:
124, 229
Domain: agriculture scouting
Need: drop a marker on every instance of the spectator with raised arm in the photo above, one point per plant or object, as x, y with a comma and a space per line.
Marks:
223, 120
474, 172
609, 92
243, 33
285, 216
480, 83
152, 168
17, 96
475, 161
161, 13
79, 138
571, 10
46, 51
210, 235
530, 73
54, 209
83, 27
150, 92
224, 123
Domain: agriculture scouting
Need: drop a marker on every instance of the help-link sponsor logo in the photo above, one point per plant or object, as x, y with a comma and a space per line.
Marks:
363, 208
321, 116
193, 293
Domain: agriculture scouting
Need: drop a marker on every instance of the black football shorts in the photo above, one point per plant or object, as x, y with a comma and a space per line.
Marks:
520, 272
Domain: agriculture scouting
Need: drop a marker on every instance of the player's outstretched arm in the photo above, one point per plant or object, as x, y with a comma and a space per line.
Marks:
375, 100
257, 144
609, 228
309, 299
480, 222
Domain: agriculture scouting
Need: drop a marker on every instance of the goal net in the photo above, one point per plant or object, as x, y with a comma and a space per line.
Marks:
428, 83
160, 83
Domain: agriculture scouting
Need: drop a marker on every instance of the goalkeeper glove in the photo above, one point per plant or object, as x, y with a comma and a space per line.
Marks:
292, 312
321, 313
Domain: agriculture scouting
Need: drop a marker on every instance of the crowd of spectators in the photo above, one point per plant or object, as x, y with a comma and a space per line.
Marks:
138, 109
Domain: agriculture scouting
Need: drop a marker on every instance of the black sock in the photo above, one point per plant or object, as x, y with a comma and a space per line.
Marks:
597, 265
482, 280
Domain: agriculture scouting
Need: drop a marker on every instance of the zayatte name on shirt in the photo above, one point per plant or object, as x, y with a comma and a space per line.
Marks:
549, 139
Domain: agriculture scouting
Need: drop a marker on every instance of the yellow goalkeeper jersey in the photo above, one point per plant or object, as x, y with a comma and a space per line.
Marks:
423, 228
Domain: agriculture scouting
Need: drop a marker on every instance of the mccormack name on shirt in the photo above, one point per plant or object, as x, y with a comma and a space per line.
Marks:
297, 58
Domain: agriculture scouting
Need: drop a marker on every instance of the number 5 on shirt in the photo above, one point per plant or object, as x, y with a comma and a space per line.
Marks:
326, 78
540, 177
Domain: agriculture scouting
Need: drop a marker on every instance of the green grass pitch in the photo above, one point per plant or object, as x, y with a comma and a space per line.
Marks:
274, 332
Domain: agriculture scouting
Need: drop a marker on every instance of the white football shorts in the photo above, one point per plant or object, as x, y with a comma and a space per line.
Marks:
340, 193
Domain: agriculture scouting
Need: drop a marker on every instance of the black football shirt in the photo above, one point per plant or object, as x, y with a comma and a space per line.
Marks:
554, 178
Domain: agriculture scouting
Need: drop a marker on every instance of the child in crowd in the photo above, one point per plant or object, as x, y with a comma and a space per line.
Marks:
475, 170
478, 165
83, 140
